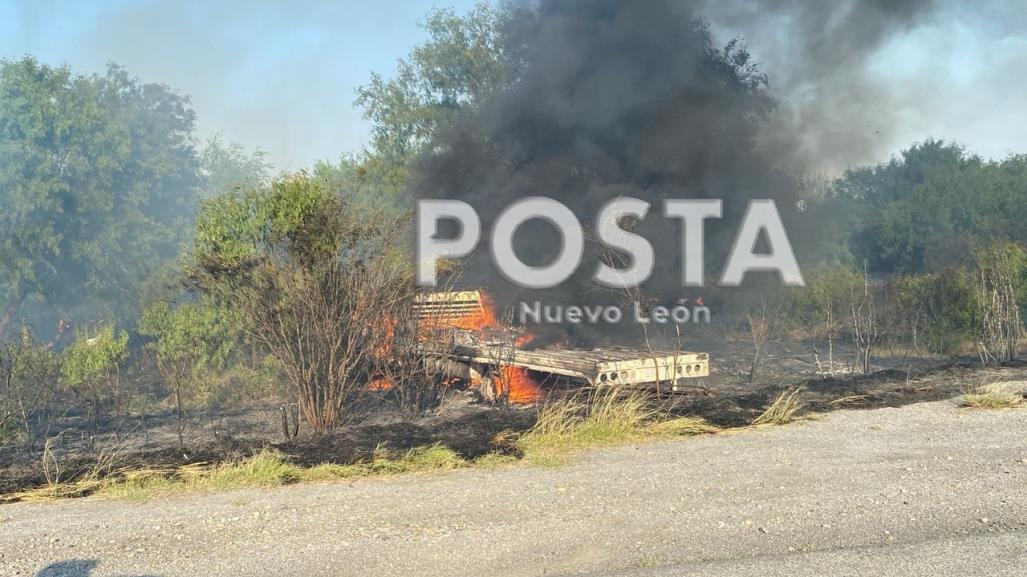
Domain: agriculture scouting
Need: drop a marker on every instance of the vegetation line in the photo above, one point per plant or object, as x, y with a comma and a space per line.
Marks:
564, 428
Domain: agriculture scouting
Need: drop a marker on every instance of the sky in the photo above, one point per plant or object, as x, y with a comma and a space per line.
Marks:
962, 77
281, 76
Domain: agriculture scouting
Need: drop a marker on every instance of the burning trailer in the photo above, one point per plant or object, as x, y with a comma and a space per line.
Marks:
463, 340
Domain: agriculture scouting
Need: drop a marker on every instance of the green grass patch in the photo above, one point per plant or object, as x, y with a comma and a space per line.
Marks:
606, 417
270, 468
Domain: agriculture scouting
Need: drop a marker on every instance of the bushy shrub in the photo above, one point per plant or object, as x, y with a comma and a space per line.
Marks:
28, 384
312, 280
823, 305
190, 344
936, 309
91, 368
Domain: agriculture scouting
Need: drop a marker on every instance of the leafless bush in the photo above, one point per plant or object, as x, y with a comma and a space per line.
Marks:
50, 464
999, 326
330, 330
10, 353
829, 322
415, 384
759, 332
865, 329
28, 382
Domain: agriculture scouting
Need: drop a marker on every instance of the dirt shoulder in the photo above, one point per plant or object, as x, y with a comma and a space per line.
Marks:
889, 477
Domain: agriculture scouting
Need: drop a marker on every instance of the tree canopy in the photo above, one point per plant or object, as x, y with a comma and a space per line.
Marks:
464, 61
930, 206
98, 184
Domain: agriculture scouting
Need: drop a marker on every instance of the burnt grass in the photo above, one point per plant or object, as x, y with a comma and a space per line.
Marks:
468, 429
880, 389
469, 426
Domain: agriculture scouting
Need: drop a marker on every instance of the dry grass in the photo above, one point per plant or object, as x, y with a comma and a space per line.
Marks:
62, 483
782, 410
606, 417
601, 419
679, 427
493, 461
268, 468
992, 396
848, 400
564, 426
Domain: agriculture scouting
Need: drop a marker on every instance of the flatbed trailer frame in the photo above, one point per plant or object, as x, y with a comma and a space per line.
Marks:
603, 366
457, 351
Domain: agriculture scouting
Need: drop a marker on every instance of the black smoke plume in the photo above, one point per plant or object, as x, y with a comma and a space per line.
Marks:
617, 99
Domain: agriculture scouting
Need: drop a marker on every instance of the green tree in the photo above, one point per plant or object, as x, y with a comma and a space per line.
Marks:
98, 184
928, 207
226, 166
311, 279
464, 61
368, 180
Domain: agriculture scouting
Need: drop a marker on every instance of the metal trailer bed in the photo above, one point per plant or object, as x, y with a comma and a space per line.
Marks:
469, 354
594, 367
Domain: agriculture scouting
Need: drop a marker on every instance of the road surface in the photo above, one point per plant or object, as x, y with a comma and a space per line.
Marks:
928, 489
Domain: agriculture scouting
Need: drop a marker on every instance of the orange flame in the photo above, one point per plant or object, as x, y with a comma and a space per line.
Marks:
387, 328
381, 351
518, 385
380, 384
514, 382
523, 339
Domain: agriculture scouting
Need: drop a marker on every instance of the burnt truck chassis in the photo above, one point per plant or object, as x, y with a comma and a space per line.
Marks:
475, 356
595, 367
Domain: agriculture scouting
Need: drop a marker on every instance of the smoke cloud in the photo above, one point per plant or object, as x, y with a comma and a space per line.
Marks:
642, 99
861, 78
835, 110
615, 99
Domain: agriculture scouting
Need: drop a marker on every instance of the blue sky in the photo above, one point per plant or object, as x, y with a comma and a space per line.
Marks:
281, 75
276, 75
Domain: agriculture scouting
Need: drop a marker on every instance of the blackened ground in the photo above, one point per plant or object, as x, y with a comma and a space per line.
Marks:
468, 426
885, 388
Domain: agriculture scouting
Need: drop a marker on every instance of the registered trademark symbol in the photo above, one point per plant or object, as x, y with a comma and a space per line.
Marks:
800, 205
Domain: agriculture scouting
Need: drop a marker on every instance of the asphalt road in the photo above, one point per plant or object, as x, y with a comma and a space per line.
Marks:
927, 489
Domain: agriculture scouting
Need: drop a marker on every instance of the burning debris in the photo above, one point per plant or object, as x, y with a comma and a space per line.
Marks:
491, 356
469, 317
